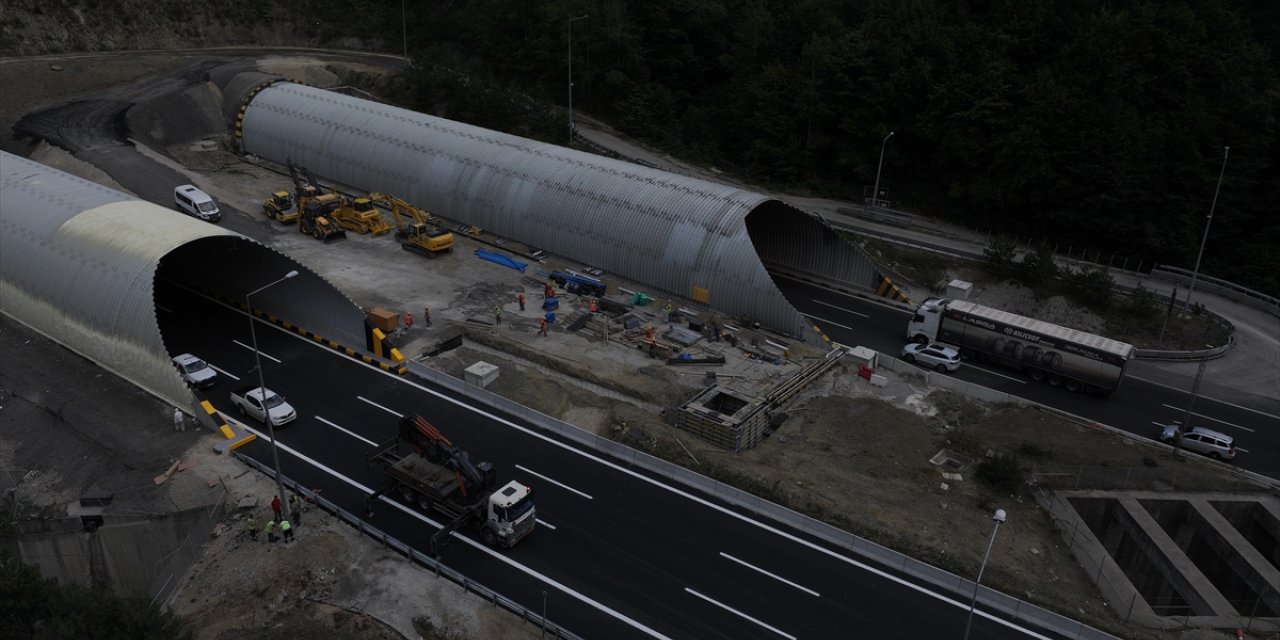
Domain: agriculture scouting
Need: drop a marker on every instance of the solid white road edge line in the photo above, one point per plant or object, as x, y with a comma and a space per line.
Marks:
468, 541
1201, 415
741, 614
836, 306
224, 373
674, 490
349, 432
543, 523
394, 413
166, 310
558, 484
772, 575
276, 360
826, 321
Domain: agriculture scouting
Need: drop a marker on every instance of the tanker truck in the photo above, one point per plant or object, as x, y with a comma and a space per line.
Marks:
1045, 352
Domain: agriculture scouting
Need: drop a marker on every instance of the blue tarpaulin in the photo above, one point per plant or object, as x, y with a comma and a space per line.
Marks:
498, 258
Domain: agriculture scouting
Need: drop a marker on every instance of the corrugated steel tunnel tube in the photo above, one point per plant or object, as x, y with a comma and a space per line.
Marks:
81, 264
697, 239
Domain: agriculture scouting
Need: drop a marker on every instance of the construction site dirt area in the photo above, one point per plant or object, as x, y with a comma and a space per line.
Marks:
844, 451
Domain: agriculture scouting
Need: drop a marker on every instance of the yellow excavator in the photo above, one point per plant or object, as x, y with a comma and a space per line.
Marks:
416, 229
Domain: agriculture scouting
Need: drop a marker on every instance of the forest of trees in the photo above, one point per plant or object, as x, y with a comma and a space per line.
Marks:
1098, 124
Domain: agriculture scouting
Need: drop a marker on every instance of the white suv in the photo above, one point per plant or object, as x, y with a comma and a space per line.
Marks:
937, 356
1215, 444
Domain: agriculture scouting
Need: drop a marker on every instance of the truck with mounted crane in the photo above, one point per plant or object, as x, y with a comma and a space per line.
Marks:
1044, 351
437, 475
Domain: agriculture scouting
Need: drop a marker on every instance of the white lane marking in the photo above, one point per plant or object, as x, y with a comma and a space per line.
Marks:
1183, 410
349, 432
1209, 398
826, 321
237, 379
166, 310
394, 413
772, 575
670, 489
741, 614
998, 375
836, 306
465, 540
260, 352
558, 484
544, 523
1242, 450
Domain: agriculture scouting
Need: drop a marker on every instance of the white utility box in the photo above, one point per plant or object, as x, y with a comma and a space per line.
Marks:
481, 374
863, 356
959, 289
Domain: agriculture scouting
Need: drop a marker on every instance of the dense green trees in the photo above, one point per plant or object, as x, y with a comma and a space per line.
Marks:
1096, 124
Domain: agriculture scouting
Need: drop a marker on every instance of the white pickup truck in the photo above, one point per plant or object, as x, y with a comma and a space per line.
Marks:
249, 401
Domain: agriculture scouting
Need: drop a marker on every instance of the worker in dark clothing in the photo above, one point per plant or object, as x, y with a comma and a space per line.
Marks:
542, 327
426, 316
251, 527
497, 315
520, 299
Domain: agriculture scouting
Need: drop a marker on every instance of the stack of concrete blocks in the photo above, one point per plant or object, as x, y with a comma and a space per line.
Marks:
481, 374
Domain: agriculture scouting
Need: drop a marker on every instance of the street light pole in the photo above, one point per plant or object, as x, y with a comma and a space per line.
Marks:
999, 519
570, 24
1195, 274
262, 387
875, 195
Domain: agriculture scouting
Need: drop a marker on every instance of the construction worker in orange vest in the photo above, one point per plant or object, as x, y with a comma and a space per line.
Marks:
520, 299
408, 319
593, 305
542, 327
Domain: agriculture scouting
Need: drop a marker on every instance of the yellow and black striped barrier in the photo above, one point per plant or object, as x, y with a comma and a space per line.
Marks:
887, 289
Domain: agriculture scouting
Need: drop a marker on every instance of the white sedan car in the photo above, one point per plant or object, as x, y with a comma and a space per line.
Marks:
937, 356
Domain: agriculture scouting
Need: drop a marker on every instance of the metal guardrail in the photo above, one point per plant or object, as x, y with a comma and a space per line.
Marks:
1228, 290
991, 600
550, 629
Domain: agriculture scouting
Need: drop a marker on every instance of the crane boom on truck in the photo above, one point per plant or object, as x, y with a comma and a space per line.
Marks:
416, 229
435, 474
1061, 356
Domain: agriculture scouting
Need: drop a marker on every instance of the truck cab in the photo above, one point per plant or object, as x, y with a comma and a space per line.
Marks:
923, 327
511, 515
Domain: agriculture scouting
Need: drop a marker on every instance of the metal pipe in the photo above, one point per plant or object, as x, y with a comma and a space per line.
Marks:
262, 390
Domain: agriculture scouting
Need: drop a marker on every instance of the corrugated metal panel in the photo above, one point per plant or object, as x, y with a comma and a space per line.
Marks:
78, 262
660, 229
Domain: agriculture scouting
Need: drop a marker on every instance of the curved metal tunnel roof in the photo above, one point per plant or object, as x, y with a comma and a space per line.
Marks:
79, 263
694, 238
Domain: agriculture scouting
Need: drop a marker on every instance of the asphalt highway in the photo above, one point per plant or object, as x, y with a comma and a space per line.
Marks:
616, 554
1138, 406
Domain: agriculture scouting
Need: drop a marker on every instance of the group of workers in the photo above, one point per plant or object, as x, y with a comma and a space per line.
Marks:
278, 522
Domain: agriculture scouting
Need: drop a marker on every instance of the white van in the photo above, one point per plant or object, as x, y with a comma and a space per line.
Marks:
196, 202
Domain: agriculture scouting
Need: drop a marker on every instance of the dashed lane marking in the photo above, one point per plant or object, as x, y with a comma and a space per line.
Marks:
555, 482
741, 614
366, 400
771, 575
349, 432
260, 352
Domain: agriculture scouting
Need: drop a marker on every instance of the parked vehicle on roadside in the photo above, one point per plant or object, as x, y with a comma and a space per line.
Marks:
935, 356
1215, 444
195, 372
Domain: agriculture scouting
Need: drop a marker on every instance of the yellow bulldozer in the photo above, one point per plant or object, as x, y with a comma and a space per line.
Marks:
362, 216
416, 229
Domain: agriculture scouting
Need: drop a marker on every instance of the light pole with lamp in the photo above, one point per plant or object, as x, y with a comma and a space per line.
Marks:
999, 519
875, 195
570, 24
1195, 274
262, 391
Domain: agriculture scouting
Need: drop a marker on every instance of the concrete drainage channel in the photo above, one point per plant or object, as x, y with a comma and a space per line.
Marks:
1177, 560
